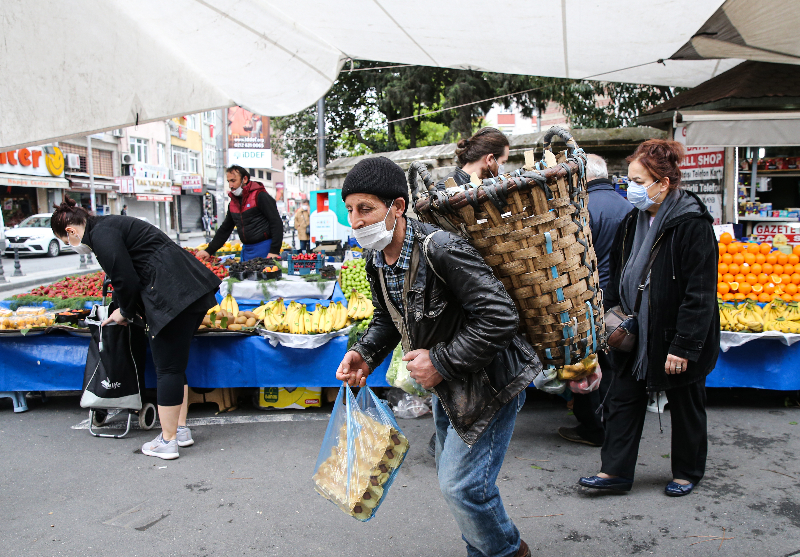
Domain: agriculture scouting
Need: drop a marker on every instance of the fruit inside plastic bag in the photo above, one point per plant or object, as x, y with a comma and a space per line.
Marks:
398, 375
361, 453
548, 381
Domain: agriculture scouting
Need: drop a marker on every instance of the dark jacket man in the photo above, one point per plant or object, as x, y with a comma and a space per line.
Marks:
457, 309
255, 216
607, 209
683, 299
148, 270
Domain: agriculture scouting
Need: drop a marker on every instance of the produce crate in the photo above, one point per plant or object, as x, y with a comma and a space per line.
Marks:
280, 397
302, 266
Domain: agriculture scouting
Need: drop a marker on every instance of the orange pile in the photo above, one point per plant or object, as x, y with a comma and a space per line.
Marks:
753, 271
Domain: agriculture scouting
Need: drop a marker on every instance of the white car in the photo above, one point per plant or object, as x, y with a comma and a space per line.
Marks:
33, 236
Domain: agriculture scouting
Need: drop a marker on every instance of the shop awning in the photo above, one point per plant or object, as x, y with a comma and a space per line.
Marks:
100, 185
739, 129
184, 56
32, 181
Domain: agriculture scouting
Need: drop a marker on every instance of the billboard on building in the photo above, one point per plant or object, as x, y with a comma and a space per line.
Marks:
247, 130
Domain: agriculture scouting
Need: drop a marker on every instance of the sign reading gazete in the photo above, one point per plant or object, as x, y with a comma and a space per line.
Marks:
765, 232
33, 161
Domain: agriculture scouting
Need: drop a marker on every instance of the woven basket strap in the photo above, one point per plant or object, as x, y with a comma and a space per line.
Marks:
428, 257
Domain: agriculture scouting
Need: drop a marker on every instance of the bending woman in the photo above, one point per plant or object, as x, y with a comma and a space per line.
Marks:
678, 335
158, 280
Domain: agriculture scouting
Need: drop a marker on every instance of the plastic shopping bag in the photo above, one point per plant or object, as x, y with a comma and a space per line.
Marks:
398, 375
587, 384
361, 453
547, 380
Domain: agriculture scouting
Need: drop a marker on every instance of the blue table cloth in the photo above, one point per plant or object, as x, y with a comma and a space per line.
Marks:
55, 362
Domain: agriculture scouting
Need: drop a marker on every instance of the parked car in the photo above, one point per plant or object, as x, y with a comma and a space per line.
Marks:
34, 236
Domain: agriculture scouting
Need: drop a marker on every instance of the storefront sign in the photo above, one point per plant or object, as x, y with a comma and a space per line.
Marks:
701, 173
99, 186
124, 184
250, 158
176, 190
159, 198
151, 179
192, 183
766, 232
46, 160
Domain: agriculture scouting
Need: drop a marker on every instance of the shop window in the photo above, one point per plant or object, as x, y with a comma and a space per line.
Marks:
138, 149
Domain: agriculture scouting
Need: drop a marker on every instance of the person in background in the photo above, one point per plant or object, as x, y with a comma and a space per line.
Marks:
124, 211
302, 223
434, 293
484, 154
255, 215
157, 280
607, 209
678, 321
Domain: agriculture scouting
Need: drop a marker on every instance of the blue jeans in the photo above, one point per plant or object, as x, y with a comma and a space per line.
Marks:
468, 480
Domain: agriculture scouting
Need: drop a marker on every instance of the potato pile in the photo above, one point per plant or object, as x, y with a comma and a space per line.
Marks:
379, 449
223, 319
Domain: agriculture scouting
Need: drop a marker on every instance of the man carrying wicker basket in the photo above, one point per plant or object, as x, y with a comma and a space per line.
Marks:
458, 327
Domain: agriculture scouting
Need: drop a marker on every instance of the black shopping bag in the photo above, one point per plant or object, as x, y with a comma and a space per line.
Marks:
114, 374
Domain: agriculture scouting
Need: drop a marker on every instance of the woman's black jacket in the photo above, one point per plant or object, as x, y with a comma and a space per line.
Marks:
684, 316
149, 272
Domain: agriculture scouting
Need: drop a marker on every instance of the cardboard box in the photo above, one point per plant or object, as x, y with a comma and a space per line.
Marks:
289, 397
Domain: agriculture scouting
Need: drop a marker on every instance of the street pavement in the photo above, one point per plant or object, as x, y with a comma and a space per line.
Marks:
245, 488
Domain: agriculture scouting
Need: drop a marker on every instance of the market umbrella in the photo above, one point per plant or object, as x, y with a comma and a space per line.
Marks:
73, 68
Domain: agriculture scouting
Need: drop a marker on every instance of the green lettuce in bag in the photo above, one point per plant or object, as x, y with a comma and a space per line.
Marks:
398, 375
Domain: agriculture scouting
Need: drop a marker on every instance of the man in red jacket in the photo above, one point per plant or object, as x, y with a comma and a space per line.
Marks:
255, 215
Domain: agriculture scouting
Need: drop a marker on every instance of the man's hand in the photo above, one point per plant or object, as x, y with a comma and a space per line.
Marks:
421, 369
116, 316
202, 254
353, 369
675, 365
273, 256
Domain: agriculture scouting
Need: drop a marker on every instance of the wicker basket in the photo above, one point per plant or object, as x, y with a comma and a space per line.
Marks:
532, 228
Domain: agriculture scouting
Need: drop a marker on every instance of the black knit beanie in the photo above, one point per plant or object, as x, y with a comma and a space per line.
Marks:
377, 176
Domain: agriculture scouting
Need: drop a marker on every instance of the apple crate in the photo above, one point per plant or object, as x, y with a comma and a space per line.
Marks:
303, 266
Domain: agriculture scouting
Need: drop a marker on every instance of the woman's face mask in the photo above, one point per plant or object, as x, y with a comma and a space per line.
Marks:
638, 196
375, 236
79, 247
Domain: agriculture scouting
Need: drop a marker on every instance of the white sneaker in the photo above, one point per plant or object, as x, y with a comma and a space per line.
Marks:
168, 450
184, 437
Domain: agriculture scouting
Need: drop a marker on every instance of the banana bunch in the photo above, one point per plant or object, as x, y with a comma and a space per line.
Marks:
229, 304
775, 310
271, 314
297, 319
783, 325
359, 306
215, 309
792, 311
750, 316
724, 315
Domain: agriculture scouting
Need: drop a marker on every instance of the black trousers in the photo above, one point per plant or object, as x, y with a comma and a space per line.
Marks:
170, 349
626, 414
591, 422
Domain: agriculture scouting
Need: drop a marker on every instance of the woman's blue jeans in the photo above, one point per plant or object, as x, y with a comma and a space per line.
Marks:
468, 480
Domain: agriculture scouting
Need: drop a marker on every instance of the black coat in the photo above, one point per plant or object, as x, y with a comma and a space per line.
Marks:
467, 321
607, 209
150, 273
684, 317
255, 216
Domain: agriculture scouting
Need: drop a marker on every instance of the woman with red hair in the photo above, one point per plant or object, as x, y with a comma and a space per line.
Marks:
663, 264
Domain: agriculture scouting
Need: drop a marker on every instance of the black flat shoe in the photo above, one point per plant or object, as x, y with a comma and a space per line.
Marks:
612, 484
674, 489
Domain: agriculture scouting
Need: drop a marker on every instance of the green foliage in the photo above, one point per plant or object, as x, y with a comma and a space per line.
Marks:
361, 108
58, 303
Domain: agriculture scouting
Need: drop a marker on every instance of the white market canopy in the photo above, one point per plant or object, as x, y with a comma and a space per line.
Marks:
84, 66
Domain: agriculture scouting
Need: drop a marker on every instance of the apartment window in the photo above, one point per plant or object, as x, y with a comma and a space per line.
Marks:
269, 175
193, 122
138, 149
161, 151
194, 162
180, 158
210, 154
210, 117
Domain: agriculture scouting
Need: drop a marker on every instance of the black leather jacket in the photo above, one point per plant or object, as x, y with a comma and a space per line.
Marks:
467, 321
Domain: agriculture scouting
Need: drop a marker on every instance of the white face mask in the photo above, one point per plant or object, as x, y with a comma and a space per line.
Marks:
81, 248
375, 236
237, 192
637, 195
